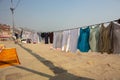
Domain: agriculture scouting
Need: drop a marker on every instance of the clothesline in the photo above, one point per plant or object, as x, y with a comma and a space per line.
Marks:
85, 26
99, 39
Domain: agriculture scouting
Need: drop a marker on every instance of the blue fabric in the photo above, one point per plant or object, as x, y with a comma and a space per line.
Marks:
83, 40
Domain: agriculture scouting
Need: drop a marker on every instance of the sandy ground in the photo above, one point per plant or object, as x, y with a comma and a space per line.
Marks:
40, 62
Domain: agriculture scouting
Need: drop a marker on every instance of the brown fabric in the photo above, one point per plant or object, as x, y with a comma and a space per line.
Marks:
8, 57
116, 38
105, 39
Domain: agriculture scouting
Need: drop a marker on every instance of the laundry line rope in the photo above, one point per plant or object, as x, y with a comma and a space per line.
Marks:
84, 26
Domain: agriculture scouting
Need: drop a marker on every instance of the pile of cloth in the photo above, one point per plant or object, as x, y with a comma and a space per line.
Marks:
8, 56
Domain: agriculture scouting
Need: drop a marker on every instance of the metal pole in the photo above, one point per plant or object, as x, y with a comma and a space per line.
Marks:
12, 10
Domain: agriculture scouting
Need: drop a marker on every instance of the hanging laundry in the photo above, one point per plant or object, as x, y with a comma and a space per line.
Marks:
42, 36
51, 37
57, 39
116, 38
83, 40
73, 40
105, 38
94, 36
27, 35
65, 40
31, 37
39, 35
35, 38
46, 37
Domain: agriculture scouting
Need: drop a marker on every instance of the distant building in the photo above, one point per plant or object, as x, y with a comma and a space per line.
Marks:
5, 31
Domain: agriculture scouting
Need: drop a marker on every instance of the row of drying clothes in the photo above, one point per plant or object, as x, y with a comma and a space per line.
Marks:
97, 38
31, 37
48, 37
63, 39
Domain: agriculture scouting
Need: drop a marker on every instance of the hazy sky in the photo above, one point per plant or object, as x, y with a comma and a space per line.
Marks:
52, 15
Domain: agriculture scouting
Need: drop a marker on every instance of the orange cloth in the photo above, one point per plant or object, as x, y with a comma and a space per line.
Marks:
8, 57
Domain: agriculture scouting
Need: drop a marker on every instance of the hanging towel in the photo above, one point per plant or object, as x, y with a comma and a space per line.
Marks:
35, 38
94, 36
116, 38
83, 40
105, 39
73, 40
65, 40
39, 35
57, 40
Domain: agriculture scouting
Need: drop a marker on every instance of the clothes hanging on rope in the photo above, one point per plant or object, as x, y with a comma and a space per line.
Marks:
57, 40
51, 37
39, 35
65, 40
98, 38
83, 40
105, 39
73, 40
35, 38
46, 38
117, 20
116, 38
94, 37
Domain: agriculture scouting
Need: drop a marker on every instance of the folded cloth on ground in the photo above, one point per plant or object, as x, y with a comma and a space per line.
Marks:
8, 57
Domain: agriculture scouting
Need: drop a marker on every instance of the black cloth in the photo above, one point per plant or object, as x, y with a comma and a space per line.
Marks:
16, 35
46, 37
42, 35
51, 37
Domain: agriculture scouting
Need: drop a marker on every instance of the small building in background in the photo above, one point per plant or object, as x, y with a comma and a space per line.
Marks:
5, 32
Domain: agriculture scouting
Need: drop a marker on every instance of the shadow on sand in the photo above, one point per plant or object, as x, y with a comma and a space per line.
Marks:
60, 73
